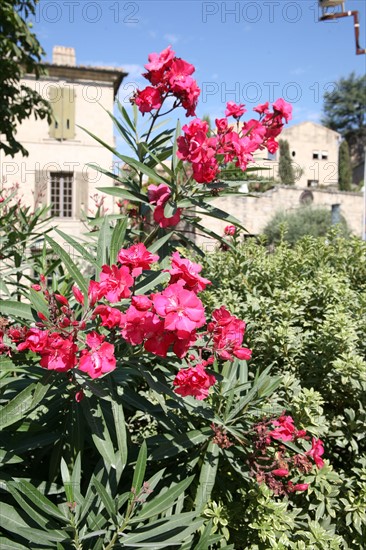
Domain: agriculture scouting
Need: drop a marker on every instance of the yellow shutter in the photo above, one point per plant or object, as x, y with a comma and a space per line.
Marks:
55, 99
68, 114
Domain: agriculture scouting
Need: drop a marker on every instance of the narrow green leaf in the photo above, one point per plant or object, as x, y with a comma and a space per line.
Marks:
124, 194
70, 265
17, 408
159, 243
15, 309
26, 488
104, 240
152, 281
80, 247
160, 503
139, 473
99, 431
107, 500
117, 240
39, 303
207, 476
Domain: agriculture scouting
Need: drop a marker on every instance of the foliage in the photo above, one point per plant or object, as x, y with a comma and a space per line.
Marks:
125, 416
20, 53
344, 167
305, 308
344, 112
307, 220
22, 249
285, 169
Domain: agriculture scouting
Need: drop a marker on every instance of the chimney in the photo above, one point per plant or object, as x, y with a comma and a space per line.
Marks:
61, 55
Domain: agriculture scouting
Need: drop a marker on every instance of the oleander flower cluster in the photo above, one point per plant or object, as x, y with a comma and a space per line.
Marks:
84, 337
274, 463
209, 151
170, 77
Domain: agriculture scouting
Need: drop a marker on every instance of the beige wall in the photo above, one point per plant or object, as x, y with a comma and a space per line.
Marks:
256, 211
305, 139
48, 154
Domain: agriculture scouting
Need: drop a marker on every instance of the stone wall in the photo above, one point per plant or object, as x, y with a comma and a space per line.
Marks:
254, 212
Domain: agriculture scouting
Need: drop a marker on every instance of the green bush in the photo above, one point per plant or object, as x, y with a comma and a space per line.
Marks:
291, 226
305, 307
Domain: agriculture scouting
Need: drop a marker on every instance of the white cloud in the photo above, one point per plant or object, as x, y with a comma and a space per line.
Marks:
172, 38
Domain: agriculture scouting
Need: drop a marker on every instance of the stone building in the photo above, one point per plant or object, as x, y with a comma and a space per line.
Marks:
56, 171
314, 152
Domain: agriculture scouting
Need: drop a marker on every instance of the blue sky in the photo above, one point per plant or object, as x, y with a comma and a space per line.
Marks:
250, 51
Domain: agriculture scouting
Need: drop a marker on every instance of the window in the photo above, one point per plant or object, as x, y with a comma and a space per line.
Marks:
324, 155
61, 194
293, 153
316, 155
313, 183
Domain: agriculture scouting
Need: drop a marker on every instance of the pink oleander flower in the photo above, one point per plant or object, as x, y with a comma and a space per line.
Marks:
35, 340
148, 99
160, 195
137, 258
316, 451
283, 108
99, 359
298, 487
222, 125
59, 354
281, 472
228, 333
181, 309
230, 230
187, 272
162, 220
262, 109
158, 61
94, 293
235, 110
115, 283
111, 317
78, 295
194, 381
285, 429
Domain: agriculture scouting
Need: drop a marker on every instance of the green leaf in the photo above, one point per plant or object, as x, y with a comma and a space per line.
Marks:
6, 544
120, 427
99, 432
151, 281
39, 302
78, 246
17, 408
159, 243
107, 500
104, 240
15, 309
139, 473
70, 265
207, 476
26, 488
140, 167
214, 212
164, 501
124, 194
180, 443
167, 530
117, 240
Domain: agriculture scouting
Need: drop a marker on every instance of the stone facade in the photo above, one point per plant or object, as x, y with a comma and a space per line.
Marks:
56, 168
254, 212
314, 151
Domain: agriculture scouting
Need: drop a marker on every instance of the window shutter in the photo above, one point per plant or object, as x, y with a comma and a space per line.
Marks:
40, 188
55, 98
81, 193
68, 114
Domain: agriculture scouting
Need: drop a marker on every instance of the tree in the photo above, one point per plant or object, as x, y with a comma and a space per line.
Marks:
344, 111
285, 168
344, 167
20, 53
293, 226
